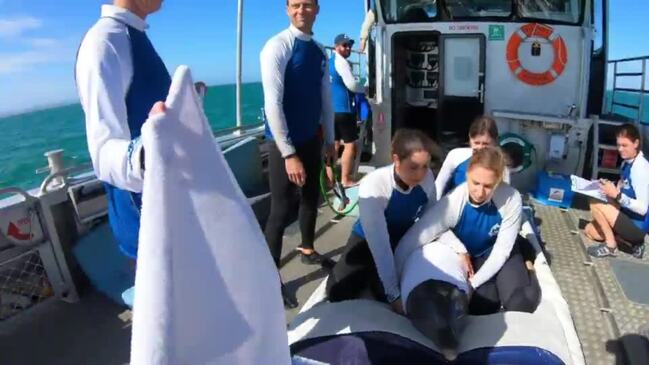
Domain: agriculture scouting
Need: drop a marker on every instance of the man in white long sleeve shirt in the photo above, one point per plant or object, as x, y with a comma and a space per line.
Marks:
343, 89
297, 102
119, 77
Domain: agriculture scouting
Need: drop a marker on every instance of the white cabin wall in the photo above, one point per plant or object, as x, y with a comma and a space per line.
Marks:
503, 90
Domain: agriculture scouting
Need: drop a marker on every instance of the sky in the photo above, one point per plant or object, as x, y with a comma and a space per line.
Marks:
39, 40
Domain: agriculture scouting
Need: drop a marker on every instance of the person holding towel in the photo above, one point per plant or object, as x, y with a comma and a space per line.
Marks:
119, 77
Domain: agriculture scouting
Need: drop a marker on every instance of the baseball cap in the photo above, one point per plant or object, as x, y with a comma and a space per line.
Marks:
342, 39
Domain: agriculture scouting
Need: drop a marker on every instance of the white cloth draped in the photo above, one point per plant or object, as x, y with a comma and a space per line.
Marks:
206, 288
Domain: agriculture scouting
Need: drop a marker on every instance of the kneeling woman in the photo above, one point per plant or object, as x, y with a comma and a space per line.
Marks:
483, 132
391, 199
624, 218
485, 214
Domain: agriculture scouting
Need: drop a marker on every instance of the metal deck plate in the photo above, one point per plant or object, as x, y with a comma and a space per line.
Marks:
606, 320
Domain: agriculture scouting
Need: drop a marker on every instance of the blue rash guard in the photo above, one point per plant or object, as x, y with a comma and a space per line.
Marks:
117, 49
297, 95
487, 229
386, 213
634, 177
453, 171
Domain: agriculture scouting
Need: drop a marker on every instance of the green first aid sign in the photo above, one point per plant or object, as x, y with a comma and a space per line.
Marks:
496, 32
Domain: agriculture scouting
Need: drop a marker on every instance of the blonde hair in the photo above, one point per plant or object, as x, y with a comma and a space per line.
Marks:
491, 158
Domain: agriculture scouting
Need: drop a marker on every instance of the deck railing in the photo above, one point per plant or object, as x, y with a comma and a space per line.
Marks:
628, 97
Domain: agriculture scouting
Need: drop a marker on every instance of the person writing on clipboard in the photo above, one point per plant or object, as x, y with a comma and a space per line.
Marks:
624, 218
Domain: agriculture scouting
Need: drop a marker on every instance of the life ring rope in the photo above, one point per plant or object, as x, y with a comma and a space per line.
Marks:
546, 33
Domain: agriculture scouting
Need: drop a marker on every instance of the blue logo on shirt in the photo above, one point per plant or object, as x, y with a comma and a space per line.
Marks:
626, 184
419, 212
493, 232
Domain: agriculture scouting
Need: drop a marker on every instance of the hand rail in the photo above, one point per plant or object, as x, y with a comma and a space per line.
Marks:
18, 191
642, 90
223, 132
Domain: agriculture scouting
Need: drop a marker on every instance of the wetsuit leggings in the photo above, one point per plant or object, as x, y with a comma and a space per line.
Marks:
283, 195
354, 273
513, 287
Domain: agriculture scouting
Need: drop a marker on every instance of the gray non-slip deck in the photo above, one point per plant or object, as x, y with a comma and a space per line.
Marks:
607, 322
91, 332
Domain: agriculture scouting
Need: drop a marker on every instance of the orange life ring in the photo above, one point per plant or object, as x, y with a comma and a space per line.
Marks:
541, 31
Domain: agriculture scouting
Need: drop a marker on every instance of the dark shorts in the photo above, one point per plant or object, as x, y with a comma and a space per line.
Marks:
627, 230
345, 127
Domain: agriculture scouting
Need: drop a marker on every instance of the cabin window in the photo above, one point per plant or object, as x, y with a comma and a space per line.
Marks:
599, 25
421, 11
409, 11
478, 8
558, 10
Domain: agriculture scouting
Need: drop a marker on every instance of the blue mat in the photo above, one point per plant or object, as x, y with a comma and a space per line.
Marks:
632, 277
109, 271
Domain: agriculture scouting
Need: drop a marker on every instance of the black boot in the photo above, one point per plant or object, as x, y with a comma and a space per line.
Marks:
436, 308
290, 302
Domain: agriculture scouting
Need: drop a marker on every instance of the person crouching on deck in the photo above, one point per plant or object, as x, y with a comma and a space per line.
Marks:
391, 199
624, 218
483, 132
485, 214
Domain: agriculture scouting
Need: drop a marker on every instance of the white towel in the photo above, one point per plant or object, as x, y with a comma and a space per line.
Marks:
207, 291
435, 260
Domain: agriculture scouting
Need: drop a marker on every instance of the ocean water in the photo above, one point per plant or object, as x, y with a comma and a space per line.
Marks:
24, 138
629, 99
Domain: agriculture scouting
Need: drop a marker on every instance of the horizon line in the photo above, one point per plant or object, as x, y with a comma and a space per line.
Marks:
65, 103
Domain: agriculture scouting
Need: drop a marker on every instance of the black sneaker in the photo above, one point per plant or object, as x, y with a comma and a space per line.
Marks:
290, 302
314, 258
638, 251
601, 250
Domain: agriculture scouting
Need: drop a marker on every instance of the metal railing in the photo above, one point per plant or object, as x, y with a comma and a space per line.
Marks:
623, 97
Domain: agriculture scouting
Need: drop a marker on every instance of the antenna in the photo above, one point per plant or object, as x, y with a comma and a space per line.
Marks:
239, 47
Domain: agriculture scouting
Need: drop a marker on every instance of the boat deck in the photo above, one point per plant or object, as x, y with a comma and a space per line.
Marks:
96, 331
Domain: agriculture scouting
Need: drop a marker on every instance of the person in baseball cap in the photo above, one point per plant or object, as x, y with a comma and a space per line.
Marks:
343, 39
343, 88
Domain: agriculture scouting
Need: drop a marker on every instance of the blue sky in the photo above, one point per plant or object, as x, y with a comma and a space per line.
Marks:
39, 39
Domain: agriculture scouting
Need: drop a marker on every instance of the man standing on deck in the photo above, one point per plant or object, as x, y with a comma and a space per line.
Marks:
297, 101
119, 78
344, 87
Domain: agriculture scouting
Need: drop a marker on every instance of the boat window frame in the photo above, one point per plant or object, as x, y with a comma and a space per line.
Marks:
443, 16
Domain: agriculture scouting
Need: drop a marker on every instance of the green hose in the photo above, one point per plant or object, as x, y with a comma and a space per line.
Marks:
346, 205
